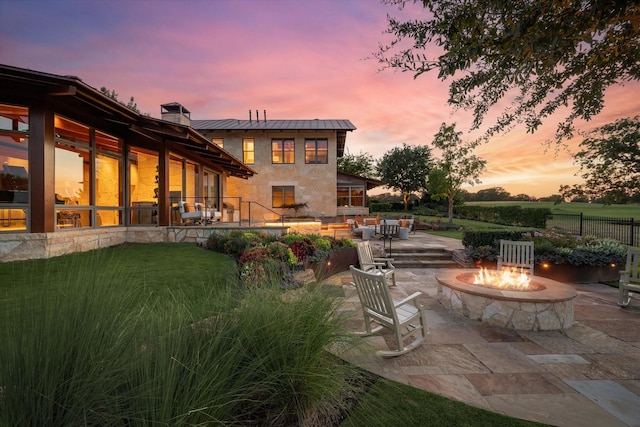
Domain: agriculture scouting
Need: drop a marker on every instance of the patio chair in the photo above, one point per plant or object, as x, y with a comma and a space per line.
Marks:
372, 264
405, 317
630, 277
516, 255
197, 213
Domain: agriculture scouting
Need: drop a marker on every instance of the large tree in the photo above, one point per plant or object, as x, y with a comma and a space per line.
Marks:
362, 164
455, 167
609, 158
538, 55
405, 169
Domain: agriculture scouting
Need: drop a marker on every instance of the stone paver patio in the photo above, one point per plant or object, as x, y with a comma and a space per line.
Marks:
587, 375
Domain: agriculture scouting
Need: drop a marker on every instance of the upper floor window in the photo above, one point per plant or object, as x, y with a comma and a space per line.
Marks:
248, 151
283, 151
316, 151
218, 141
282, 195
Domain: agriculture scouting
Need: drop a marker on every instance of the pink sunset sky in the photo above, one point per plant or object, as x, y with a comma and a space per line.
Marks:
297, 59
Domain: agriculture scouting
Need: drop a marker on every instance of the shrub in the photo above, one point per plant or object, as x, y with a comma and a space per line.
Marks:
550, 246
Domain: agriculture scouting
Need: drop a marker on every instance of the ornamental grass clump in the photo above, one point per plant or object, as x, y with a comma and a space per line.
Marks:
90, 351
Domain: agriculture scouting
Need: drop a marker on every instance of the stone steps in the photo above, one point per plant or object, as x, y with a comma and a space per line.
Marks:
427, 257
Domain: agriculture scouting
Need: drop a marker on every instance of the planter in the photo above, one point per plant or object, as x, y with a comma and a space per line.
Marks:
566, 273
338, 261
578, 273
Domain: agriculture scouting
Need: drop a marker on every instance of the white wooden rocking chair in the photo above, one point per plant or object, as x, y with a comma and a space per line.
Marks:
516, 255
630, 277
370, 263
405, 318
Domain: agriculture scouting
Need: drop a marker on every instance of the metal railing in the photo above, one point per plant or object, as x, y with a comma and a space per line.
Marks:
230, 209
625, 230
253, 214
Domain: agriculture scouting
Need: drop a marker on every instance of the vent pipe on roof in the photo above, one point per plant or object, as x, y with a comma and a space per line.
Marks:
249, 115
264, 116
257, 116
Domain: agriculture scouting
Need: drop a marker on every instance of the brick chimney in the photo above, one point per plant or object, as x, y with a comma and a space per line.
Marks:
176, 113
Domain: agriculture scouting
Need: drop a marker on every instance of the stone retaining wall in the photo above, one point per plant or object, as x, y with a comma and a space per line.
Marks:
24, 246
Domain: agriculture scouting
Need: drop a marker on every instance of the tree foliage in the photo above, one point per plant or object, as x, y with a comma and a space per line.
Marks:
609, 158
362, 164
405, 169
541, 55
457, 166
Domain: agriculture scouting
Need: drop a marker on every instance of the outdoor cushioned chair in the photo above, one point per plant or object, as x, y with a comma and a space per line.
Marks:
196, 212
518, 255
371, 264
405, 317
630, 277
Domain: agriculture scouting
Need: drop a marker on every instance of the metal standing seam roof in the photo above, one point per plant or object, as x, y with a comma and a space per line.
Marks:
234, 124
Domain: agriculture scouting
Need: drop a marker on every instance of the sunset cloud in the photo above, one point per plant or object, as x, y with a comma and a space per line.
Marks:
295, 59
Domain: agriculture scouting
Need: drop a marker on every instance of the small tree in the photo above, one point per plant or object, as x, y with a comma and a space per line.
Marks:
456, 167
610, 160
362, 164
405, 169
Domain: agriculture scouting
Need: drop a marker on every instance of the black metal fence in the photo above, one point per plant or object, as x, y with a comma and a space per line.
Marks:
625, 230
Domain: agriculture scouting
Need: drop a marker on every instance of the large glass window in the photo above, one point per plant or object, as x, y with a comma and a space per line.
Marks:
218, 141
282, 195
143, 186
191, 181
351, 196
14, 167
283, 151
316, 151
72, 173
108, 179
211, 182
248, 151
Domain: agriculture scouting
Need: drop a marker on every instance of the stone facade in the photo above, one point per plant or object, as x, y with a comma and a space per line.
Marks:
314, 184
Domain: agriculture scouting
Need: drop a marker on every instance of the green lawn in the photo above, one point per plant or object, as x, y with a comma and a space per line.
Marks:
185, 272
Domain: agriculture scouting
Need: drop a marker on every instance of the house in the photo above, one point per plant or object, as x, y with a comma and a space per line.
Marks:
295, 161
79, 170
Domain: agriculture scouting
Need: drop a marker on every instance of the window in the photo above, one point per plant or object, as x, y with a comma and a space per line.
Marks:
218, 141
73, 173
248, 151
143, 186
316, 151
283, 151
14, 167
108, 179
282, 195
351, 196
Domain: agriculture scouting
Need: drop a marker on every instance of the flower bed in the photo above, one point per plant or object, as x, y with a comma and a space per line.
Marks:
265, 258
559, 256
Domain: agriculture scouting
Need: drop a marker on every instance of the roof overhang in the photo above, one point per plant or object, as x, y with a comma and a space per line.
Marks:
70, 96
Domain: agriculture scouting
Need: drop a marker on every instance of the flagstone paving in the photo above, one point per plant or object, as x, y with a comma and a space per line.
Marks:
587, 375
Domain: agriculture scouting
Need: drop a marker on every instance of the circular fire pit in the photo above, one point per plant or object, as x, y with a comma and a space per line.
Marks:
548, 305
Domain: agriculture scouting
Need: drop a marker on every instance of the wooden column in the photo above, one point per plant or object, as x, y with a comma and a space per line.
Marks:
42, 168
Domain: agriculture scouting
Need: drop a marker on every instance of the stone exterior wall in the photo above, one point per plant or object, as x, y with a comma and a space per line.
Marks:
315, 184
25, 246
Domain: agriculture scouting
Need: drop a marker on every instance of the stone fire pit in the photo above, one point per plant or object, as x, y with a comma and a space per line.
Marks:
548, 306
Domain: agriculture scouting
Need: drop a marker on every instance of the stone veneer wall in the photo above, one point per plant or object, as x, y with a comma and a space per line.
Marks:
521, 315
24, 246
